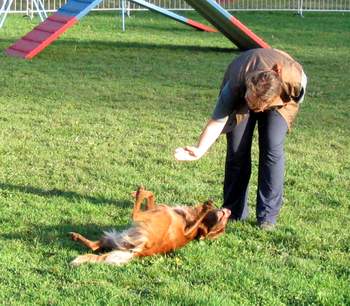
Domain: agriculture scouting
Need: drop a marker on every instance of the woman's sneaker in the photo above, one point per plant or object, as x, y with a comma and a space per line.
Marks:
267, 226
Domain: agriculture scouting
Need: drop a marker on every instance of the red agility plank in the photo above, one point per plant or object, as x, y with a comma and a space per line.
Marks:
249, 33
37, 35
52, 38
200, 26
15, 53
60, 18
25, 45
50, 26
41, 36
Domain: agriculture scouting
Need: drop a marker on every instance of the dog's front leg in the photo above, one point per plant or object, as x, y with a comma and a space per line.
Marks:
137, 206
140, 195
150, 201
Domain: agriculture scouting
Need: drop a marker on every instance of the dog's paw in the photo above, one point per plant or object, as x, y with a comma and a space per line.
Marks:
209, 203
207, 206
139, 190
74, 236
77, 261
81, 259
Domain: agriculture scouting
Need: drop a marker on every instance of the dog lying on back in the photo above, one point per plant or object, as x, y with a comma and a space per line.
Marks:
159, 229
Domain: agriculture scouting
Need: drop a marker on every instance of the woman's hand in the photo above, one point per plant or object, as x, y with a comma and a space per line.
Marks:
208, 136
188, 153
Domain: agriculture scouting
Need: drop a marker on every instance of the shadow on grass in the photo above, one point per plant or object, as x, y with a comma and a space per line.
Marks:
112, 45
137, 45
162, 28
68, 195
58, 235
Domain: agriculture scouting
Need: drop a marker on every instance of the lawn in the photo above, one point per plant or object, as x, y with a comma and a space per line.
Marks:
100, 112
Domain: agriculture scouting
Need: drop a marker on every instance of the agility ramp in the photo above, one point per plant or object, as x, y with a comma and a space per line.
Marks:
49, 30
70, 13
176, 17
228, 25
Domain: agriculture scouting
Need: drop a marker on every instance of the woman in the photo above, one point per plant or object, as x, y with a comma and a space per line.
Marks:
263, 87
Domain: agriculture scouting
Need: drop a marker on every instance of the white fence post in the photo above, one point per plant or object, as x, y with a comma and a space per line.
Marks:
123, 15
300, 7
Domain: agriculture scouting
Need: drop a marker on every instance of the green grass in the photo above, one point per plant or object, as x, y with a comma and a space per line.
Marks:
100, 112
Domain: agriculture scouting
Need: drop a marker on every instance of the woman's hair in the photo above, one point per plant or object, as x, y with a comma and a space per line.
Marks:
263, 86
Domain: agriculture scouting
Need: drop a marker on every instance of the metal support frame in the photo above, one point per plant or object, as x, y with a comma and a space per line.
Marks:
5, 8
33, 6
37, 6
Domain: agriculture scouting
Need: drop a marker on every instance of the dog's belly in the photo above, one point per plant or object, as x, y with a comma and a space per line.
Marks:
164, 238
162, 248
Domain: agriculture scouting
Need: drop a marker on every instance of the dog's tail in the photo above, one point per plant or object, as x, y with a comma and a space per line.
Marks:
117, 258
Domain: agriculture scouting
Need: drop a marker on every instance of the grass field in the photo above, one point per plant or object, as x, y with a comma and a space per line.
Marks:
100, 112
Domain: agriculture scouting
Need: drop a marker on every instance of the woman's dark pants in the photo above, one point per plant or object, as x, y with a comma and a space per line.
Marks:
272, 130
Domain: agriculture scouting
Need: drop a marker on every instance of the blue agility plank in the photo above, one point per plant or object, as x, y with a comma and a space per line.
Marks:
176, 17
78, 8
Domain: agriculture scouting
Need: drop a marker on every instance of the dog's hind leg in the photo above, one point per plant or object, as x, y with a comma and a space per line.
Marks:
93, 245
113, 258
118, 257
87, 258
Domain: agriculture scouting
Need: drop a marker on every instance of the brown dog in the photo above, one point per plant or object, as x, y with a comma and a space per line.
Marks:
157, 230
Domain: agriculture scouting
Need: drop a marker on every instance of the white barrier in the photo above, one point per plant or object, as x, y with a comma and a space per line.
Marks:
28, 6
